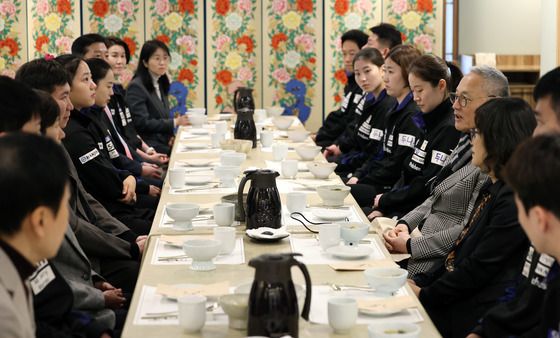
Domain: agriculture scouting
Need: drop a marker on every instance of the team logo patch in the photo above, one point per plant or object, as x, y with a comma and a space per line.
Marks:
407, 140
89, 156
376, 134
439, 157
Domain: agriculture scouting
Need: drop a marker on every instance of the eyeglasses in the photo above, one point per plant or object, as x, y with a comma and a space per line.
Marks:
463, 100
474, 132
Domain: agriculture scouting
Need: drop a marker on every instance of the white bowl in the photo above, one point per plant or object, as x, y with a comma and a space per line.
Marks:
333, 195
283, 122
182, 214
393, 330
227, 174
202, 252
197, 120
386, 280
353, 232
321, 169
232, 159
274, 111
308, 153
241, 146
298, 135
236, 306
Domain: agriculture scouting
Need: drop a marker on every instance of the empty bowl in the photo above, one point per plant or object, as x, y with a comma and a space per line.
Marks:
283, 122
197, 120
393, 330
236, 306
182, 214
387, 279
227, 174
232, 158
333, 195
241, 146
298, 135
308, 153
274, 111
202, 252
321, 169
353, 232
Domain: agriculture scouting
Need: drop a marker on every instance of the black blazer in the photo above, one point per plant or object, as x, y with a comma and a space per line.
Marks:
487, 264
150, 115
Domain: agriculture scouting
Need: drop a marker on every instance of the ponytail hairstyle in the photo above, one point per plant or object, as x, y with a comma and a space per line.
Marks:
432, 69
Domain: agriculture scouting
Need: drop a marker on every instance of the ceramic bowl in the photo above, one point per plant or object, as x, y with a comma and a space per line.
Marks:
298, 135
321, 169
353, 232
240, 146
227, 174
283, 122
333, 195
232, 158
202, 252
236, 306
393, 330
182, 214
274, 111
308, 153
197, 120
387, 279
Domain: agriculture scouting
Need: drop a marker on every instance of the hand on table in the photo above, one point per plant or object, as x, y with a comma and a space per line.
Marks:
151, 170
375, 213
396, 240
182, 120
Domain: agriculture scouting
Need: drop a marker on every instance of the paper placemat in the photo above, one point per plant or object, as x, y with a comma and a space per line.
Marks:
177, 255
322, 293
313, 254
361, 266
204, 219
184, 150
152, 302
294, 226
203, 189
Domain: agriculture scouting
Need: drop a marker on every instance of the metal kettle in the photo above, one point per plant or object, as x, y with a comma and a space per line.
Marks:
264, 208
273, 305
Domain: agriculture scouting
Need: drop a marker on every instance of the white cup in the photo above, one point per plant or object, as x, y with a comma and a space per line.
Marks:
260, 115
279, 151
177, 177
224, 213
192, 312
289, 168
215, 139
226, 235
267, 137
343, 313
296, 201
221, 127
329, 235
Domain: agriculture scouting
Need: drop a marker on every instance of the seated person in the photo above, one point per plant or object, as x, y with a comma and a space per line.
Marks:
454, 190
337, 121
431, 81
33, 223
383, 37
147, 95
19, 107
487, 255
90, 45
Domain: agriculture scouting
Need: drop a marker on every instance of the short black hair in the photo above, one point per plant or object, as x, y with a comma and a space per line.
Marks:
70, 62
387, 34
48, 109
43, 74
99, 69
371, 55
33, 173
113, 40
81, 44
532, 173
148, 49
549, 85
18, 104
503, 124
355, 35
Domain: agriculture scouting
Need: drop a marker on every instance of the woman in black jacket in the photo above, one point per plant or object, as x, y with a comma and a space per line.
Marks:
483, 265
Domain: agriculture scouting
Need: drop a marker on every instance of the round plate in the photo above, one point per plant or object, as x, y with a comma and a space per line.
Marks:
350, 252
256, 234
380, 312
331, 214
198, 179
198, 162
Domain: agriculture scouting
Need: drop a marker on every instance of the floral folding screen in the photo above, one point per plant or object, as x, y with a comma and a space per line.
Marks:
287, 50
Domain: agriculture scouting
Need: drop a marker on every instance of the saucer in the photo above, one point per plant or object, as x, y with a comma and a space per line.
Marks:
198, 179
350, 252
262, 234
331, 214
198, 162
379, 312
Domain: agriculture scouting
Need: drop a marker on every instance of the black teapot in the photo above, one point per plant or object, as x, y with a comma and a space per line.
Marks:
245, 128
264, 208
273, 305
243, 100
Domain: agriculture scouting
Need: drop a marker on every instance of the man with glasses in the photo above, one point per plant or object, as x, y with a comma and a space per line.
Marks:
454, 190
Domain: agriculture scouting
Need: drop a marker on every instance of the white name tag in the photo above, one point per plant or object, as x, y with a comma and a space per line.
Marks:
438, 157
89, 156
41, 279
376, 134
407, 140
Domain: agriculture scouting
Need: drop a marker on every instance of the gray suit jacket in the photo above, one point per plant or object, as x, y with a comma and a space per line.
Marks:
74, 266
16, 310
443, 215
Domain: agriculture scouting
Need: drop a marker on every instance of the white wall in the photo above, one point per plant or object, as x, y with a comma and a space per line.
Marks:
500, 26
549, 35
